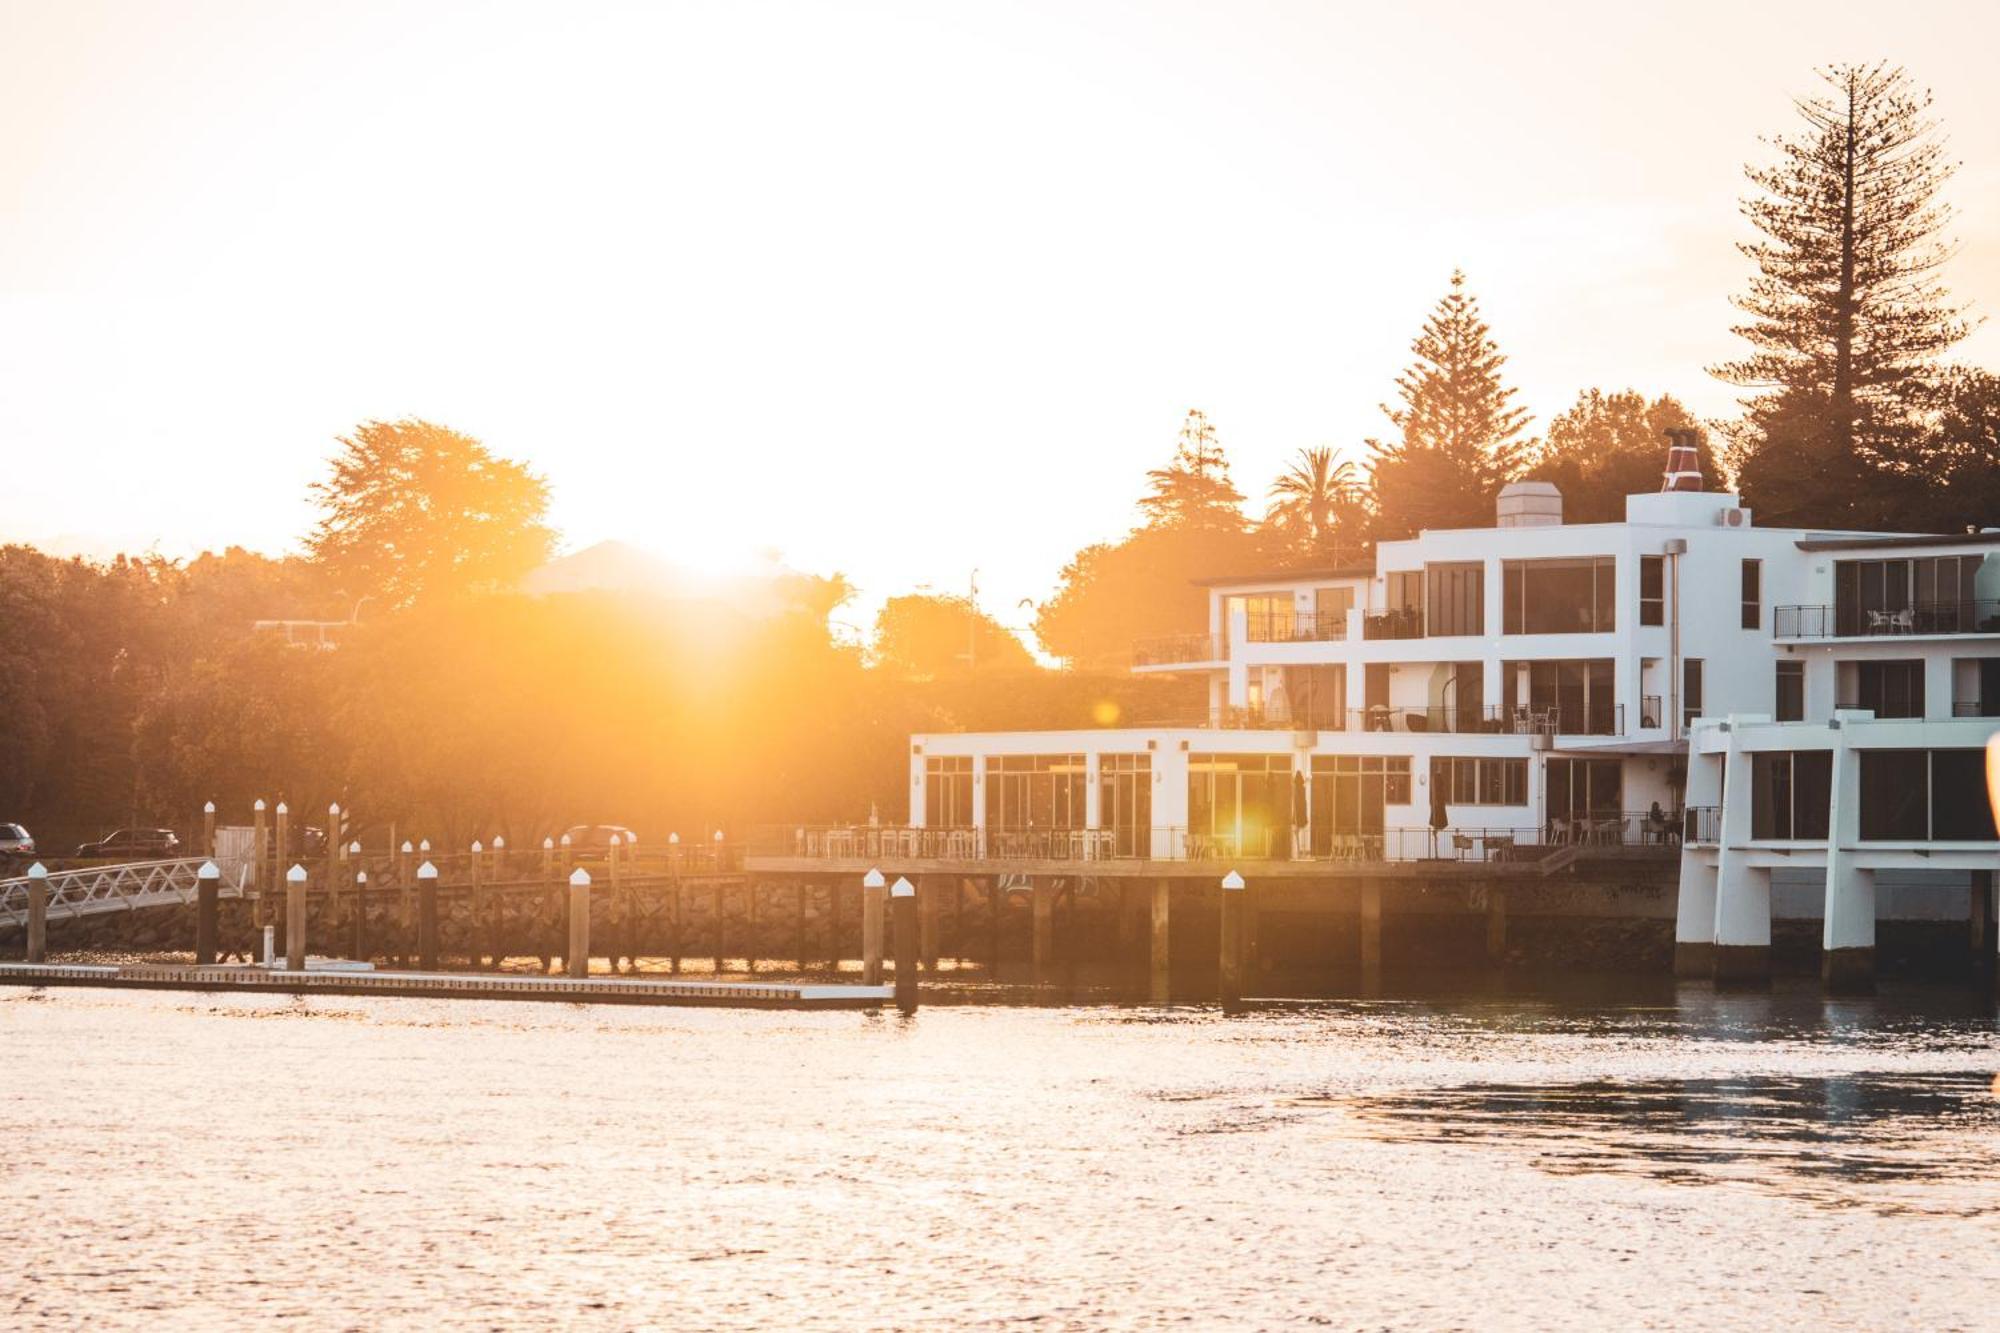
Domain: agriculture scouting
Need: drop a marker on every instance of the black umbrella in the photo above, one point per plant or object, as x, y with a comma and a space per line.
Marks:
1301, 807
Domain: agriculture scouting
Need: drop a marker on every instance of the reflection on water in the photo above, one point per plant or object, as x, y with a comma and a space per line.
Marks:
1466, 1152
1817, 1138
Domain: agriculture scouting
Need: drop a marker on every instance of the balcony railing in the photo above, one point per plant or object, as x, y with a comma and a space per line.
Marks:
1974, 708
1404, 622
1487, 720
1651, 712
1981, 616
1702, 825
1176, 648
1293, 627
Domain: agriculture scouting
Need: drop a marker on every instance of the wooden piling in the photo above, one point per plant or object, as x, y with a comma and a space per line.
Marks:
427, 917
360, 910
873, 889
996, 904
904, 899
1042, 899
721, 942
260, 851
406, 917
333, 875
750, 914
930, 893
1161, 972
801, 890
576, 961
281, 845
475, 927
207, 912
208, 829
38, 913
295, 914
1230, 969
615, 925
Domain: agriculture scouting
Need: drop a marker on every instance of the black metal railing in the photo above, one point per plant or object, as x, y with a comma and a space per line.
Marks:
1175, 648
1403, 622
1839, 621
1974, 708
1701, 825
1295, 627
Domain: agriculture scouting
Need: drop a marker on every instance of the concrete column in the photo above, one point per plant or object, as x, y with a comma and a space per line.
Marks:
1694, 919
295, 915
207, 906
930, 897
1159, 987
38, 913
427, 917
576, 962
1742, 891
1042, 899
903, 904
874, 888
1847, 946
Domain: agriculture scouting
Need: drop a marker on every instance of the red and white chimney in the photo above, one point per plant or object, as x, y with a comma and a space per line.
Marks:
1683, 462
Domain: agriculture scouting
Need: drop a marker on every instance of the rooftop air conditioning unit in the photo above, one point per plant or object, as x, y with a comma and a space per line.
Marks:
1732, 518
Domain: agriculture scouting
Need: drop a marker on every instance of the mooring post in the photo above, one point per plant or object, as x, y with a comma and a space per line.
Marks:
930, 891
427, 917
548, 858
873, 886
1159, 985
1042, 900
751, 939
1496, 922
260, 850
295, 917
38, 913
406, 920
207, 905
475, 929
360, 913
576, 961
904, 897
281, 851
208, 829
678, 896
1231, 970
334, 850
614, 924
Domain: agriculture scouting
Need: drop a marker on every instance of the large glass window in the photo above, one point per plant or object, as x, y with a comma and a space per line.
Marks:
1035, 791
1480, 781
1581, 793
1125, 802
1924, 796
1888, 689
948, 791
1457, 598
1559, 596
1753, 594
1571, 696
1240, 804
1690, 691
1929, 594
1315, 697
1349, 792
1789, 793
1268, 617
1652, 590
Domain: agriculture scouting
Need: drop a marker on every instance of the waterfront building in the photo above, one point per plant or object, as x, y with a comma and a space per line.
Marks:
1684, 682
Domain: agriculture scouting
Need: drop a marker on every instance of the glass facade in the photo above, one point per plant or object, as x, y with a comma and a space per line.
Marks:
1559, 596
1240, 804
948, 791
1791, 692
1457, 598
1889, 689
1481, 781
1125, 802
1349, 792
1924, 796
1790, 793
1652, 590
1581, 792
1035, 791
1574, 696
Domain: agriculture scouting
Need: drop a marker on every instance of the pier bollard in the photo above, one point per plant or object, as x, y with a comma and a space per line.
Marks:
260, 848
406, 920
475, 942
427, 917
335, 854
270, 947
208, 828
577, 961
295, 918
872, 889
903, 897
1231, 971
614, 925
361, 915
38, 913
281, 846
207, 905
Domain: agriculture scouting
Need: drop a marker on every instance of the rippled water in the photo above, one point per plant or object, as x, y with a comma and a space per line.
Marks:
1676, 1158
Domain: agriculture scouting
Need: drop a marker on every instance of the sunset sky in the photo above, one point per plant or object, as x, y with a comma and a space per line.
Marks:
896, 290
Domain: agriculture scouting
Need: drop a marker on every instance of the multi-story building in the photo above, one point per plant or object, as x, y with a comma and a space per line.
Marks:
1494, 693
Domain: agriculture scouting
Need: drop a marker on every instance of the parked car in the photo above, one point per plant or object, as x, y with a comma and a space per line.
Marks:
16, 841
135, 844
596, 837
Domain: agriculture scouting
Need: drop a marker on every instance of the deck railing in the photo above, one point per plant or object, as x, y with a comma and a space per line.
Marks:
1702, 825
1295, 627
1972, 616
1173, 649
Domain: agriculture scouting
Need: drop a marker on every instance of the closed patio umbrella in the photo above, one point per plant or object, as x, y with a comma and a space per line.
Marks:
1440, 817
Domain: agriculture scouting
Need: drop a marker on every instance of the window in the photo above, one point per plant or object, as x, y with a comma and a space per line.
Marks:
1690, 690
1559, 596
1125, 801
1571, 696
948, 791
1349, 792
1268, 617
1753, 594
1791, 698
1580, 790
1471, 781
1889, 689
1457, 598
1035, 791
1924, 796
1652, 590
1789, 793
1932, 593
1241, 804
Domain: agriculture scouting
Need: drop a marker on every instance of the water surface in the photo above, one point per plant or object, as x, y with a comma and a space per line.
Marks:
1653, 1158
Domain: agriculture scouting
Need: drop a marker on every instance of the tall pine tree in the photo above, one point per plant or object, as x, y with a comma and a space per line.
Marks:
1846, 314
1194, 490
1458, 435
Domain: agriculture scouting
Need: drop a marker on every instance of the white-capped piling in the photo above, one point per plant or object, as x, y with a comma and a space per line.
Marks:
873, 888
427, 917
577, 960
207, 908
1231, 968
38, 913
295, 915
903, 900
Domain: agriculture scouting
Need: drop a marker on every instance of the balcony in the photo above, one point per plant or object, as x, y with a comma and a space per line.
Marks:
1292, 627
1405, 622
1487, 720
1177, 649
1703, 825
1841, 621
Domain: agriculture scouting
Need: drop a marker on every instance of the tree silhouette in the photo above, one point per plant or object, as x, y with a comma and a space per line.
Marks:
1847, 316
1194, 490
1315, 505
1458, 436
415, 510
1611, 445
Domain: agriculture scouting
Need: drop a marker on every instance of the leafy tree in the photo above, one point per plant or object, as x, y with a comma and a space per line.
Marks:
1847, 315
922, 636
1194, 490
1114, 594
1316, 507
1951, 481
415, 510
1458, 436
1611, 445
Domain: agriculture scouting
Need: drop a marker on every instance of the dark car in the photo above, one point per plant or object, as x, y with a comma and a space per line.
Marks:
15, 840
135, 844
597, 837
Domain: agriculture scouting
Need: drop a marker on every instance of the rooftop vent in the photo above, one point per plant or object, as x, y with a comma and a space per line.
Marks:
1683, 462
1529, 504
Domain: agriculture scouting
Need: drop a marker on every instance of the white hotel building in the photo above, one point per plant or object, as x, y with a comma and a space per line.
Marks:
1681, 680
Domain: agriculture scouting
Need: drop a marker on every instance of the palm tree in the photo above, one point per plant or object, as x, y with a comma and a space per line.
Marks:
1308, 495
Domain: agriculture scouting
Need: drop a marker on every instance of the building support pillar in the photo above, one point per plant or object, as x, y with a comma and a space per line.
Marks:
1742, 922
1847, 949
1979, 921
1042, 895
1694, 920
